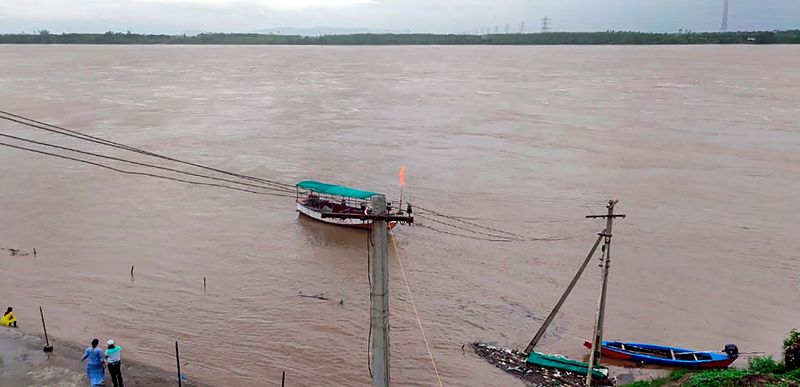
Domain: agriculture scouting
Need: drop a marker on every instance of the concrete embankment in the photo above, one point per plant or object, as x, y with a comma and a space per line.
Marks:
23, 363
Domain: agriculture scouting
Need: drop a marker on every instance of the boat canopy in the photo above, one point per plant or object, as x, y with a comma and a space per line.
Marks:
337, 190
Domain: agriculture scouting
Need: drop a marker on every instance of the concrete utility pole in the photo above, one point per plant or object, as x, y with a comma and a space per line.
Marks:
379, 274
597, 337
379, 295
563, 298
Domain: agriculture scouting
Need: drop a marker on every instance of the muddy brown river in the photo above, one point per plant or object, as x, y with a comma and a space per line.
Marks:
699, 144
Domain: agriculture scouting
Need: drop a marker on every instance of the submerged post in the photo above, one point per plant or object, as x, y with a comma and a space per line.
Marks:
47, 346
563, 298
379, 294
283, 378
178, 362
597, 337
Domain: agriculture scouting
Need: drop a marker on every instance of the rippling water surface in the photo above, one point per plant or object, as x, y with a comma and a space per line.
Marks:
699, 144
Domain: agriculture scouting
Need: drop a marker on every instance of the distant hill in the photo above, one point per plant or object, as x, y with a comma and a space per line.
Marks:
321, 30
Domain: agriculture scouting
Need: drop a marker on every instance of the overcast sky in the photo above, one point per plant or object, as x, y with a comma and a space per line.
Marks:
180, 16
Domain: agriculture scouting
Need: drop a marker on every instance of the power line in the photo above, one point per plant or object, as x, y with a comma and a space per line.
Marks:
489, 236
462, 235
138, 163
82, 136
141, 173
464, 228
458, 219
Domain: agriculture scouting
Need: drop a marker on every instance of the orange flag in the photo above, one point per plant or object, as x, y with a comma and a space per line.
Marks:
402, 175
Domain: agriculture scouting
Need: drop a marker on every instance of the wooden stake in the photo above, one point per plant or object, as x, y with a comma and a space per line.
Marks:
47, 347
204, 285
178, 361
283, 378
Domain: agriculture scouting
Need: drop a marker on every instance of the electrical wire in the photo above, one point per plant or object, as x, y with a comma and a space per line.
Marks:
462, 235
139, 163
491, 237
142, 173
86, 137
463, 228
458, 219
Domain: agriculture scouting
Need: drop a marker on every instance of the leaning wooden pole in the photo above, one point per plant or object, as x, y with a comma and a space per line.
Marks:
379, 294
178, 362
563, 298
597, 337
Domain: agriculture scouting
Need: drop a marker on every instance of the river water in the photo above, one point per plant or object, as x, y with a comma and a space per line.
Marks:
699, 144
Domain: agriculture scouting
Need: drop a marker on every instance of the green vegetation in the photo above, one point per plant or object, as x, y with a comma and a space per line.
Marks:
552, 38
761, 371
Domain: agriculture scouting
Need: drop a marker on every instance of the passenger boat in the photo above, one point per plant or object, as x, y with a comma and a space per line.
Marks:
668, 356
315, 199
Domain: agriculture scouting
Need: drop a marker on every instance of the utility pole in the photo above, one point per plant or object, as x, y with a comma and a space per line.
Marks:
597, 337
379, 274
380, 295
521, 27
724, 27
563, 298
545, 24
507, 28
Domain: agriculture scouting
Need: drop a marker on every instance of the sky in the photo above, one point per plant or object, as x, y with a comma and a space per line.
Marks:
437, 16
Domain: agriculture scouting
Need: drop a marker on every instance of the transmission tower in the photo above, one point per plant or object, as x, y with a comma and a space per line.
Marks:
724, 27
521, 27
507, 27
545, 24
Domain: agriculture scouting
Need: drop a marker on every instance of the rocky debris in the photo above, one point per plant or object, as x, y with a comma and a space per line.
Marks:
514, 362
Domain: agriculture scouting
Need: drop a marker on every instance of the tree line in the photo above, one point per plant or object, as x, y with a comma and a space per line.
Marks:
550, 38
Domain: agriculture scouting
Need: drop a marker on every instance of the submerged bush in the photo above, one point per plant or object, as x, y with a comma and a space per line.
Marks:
791, 350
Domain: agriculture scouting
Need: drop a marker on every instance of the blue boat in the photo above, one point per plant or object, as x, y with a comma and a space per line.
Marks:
668, 356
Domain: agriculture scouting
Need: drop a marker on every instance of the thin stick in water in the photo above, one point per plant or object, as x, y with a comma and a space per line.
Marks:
178, 361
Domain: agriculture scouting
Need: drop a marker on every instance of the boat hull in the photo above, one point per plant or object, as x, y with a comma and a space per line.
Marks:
351, 223
562, 363
614, 350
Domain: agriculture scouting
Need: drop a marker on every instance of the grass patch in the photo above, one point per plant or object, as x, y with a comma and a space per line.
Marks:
717, 378
765, 365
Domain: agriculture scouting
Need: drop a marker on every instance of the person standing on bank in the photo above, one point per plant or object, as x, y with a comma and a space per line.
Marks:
95, 369
113, 359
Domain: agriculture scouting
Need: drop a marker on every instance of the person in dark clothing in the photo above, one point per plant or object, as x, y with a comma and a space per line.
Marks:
114, 361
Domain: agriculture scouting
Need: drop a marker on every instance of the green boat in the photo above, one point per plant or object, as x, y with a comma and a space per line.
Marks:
562, 363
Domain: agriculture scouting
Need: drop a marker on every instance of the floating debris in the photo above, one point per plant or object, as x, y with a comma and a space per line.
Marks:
514, 362
319, 296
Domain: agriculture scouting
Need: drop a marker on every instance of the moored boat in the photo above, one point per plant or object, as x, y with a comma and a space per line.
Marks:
322, 201
564, 364
668, 356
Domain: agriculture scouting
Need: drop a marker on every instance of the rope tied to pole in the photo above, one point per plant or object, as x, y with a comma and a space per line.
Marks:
416, 313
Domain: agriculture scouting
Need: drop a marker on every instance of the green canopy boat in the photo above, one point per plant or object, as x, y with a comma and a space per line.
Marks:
315, 199
562, 363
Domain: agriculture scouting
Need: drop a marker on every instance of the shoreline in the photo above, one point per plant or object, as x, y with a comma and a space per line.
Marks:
416, 39
23, 363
